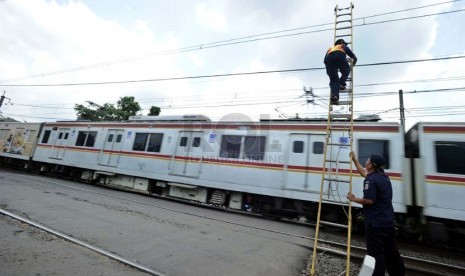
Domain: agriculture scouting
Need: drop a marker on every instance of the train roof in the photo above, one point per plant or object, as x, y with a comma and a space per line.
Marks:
202, 118
441, 123
171, 118
204, 121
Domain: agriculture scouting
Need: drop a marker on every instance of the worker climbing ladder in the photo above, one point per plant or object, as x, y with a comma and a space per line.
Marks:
337, 165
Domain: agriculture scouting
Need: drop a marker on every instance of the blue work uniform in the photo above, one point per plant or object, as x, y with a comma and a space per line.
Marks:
378, 188
379, 225
335, 59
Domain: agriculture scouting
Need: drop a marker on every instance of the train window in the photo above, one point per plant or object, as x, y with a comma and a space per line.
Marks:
81, 139
318, 147
298, 147
449, 157
46, 136
254, 147
60, 135
140, 141
118, 138
230, 146
66, 135
86, 138
91, 138
367, 147
196, 142
183, 141
155, 142
110, 138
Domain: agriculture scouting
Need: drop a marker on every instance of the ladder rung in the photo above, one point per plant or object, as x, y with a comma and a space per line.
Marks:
348, 36
333, 224
342, 103
345, 90
340, 129
343, 35
343, 14
336, 180
337, 144
333, 201
337, 161
340, 116
343, 28
343, 21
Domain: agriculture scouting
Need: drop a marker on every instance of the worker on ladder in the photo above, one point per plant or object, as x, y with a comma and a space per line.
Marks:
335, 60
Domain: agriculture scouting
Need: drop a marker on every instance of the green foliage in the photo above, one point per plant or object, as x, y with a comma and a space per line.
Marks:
154, 111
125, 107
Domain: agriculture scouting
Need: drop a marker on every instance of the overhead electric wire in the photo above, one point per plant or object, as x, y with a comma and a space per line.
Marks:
433, 112
244, 39
299, 99
241, 97
408, 9
295, 70
225, 75
432, 109
249, 101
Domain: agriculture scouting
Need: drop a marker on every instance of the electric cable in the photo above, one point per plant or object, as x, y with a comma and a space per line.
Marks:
226, 75
240, 40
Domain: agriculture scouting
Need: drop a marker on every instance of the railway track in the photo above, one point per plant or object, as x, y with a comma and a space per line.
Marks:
83, 243
414, 266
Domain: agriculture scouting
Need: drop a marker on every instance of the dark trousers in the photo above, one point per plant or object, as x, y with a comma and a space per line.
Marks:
382, 246
337, 61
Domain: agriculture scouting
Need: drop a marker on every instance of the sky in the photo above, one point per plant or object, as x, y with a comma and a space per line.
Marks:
186, 57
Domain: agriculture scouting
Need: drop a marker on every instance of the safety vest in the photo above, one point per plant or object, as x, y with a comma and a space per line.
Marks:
336, 48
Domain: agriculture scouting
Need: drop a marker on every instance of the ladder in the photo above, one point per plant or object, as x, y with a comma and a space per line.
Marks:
337, 165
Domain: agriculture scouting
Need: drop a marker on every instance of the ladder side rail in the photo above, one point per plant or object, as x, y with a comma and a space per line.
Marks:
328, 174
349, 229
317, 227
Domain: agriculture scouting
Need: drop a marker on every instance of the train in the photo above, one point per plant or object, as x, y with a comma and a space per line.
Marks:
270, 167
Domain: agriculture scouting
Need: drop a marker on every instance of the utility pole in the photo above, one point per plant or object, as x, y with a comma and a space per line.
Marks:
401, 108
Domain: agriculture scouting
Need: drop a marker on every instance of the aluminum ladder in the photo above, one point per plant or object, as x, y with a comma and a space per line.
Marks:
337, 165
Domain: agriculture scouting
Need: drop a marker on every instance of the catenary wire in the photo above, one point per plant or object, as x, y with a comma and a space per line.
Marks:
226, 75
241, 40
164, 99
248, 101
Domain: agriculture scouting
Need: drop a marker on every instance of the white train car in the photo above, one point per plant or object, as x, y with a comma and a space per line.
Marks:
272, 166
18, 141
438, 155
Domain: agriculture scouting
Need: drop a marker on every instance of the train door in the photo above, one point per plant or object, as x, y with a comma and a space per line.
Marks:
60, 144
188, 155
109, 156
303, 164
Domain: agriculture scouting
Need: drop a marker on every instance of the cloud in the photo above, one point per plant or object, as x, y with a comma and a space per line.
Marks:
210, 17
130, 42
47, 37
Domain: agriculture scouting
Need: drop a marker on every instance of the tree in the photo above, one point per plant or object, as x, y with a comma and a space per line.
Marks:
154, 111
125, 107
